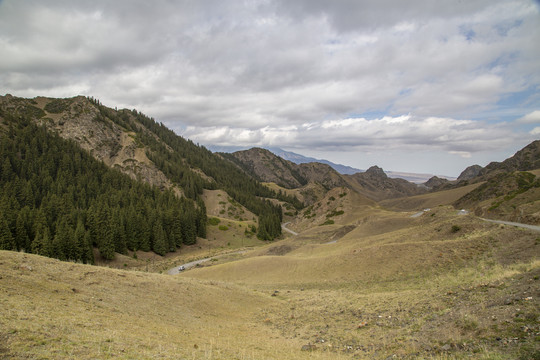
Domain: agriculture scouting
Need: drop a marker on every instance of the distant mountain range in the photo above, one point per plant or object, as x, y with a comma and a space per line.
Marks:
340, 168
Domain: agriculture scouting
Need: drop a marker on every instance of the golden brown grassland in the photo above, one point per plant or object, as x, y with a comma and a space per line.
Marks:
374, 284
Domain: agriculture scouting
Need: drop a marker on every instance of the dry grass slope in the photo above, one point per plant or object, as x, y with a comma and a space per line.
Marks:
56, 310
437, 286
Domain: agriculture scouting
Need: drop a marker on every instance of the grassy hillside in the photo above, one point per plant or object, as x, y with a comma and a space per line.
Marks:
430, 200
513, 196
440, 285
57, 310
374, 284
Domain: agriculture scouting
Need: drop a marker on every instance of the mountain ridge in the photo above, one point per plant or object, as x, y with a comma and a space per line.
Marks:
297, 158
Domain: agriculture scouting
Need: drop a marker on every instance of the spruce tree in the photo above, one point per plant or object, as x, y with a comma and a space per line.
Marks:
160, 243
7, 242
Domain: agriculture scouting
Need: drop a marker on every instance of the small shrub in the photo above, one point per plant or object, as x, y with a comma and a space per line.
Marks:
335, 213
455, 228
213, 221
327, 222
57, 106
223, 227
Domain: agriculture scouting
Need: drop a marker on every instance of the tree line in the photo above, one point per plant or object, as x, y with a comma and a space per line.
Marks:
56, 200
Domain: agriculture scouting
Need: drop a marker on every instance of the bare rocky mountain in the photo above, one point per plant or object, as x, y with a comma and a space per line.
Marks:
470, 173
417, 178
376, 185
435, 182
525, 159
267, 167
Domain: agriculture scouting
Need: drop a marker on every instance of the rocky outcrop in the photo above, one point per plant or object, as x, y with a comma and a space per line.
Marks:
470, 173
267, 167
80, 119
376, 185
435, 182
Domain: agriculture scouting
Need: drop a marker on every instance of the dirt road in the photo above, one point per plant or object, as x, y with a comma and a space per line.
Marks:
525, 226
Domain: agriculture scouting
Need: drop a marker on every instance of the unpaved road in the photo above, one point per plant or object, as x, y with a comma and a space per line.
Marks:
284, 227
525, 226
176, 270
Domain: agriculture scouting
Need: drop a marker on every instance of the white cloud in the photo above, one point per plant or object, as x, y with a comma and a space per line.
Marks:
535, 131
256, 71
530, 118
407, 132
463, 154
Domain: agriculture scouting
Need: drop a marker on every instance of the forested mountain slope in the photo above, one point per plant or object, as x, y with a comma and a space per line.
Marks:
174, 172
57, 200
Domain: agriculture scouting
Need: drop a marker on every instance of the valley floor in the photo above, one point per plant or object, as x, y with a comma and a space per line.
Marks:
386, 285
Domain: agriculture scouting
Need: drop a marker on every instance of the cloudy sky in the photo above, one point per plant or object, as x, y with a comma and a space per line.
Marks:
419, 85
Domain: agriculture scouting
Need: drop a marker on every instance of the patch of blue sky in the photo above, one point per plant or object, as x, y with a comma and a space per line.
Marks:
467, 32
525, 99
511, 107
369, 115
504, 28
405, 92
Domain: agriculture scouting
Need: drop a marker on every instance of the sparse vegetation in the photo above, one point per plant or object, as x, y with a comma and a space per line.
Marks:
57, 106
335, 213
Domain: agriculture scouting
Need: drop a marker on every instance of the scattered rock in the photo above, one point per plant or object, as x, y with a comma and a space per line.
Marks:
26, 267
309, 347
362, 325
446, 347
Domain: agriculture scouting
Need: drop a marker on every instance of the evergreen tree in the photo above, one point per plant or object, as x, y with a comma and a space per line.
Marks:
160, 242
21, 234
6, 238
42, 244
82, 247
